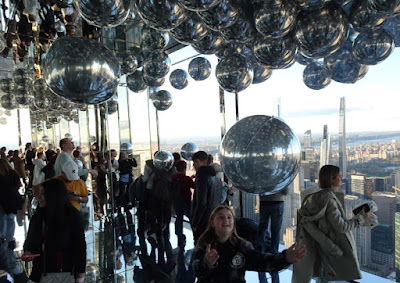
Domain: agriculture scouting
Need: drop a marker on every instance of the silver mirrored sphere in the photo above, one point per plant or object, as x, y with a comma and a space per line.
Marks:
68, 136
112, 106
45, 138
39, 128
3, 120
126, 147
8, 102
102, 13
260, 155
316, 76
373, 47
344, 67
53, 118
192, 29
261, 73
156, 64
39, 86
153, 39
242, 30
81, 70
276, 19
162, 14
22, 97
22, 77
135, 82
188, 149
364, 16
199, 68
220, 16
234, 73
163, 160
162, 100
321, 32
208, 44
128, 62
198, 5
153, 82
179, 79
7, 85
311, 4
275, 53
392, 26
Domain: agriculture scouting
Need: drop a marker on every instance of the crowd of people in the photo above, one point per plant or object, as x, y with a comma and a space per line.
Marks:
56, 241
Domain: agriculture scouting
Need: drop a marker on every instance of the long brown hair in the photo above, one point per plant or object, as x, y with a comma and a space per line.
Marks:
209, 236
5, 167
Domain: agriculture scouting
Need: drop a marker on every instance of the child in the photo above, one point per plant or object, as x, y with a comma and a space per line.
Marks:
222, 256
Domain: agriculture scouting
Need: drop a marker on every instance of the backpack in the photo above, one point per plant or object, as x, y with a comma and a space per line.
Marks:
176, 192
162, 186
137, 190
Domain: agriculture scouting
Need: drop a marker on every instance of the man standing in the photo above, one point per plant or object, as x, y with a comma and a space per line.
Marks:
271, 209
67, 146
205, 194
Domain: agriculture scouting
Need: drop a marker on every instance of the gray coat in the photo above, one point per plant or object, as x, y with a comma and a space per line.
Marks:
322, 226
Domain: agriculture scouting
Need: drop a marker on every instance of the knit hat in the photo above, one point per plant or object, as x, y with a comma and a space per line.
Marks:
70, 168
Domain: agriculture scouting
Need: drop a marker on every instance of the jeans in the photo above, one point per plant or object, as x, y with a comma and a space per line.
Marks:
7, 225
270, 211
181, 210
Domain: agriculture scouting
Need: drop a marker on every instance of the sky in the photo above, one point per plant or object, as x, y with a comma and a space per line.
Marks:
371, 103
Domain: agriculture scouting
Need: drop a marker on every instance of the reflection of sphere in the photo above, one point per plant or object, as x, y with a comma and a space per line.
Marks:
163, 160
39, 86
311, 4
135, 82
156, 64
45, 138
49, 126
261, 73
127, 147
276, 19
153, 82
2, 41
53, 118
178, 79
23, 97
162, 100
39, 128
260, 155
188, 149
127, 61
81, 70
220, 16
103, 13
199, 68
208, 44
68, 136
8, 102
3, 120
92, 139
21, 77
316, 76
7, 112
112, 106
153, 39
372, 47
190, 30
163, 15
234, 73
198, 5
364, 16
242, 30
321, 32
7, 85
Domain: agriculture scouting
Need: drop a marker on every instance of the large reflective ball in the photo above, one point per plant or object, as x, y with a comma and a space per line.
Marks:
156, 64
45, 138
310, 4
39, 86
388, 7
53, 118
208, 44
242, 30
7, 85
178, 79
276, 19
321, 32
153, 82
39, 128
128, 62
153, 39
137, 52
392, 26
81, 70
220, 16
260, 155
54, 101
199, 68
190, 30
162, 14
261, 73
21, 77
188, 149
234, 73
135, 82
8, 102
303, 60
162, 100
198, 5
163, 160
102, 13
65, 104
372, 47
344, 67
364, 16
126, 147
22, 97
112, 106
275, 53
316, 76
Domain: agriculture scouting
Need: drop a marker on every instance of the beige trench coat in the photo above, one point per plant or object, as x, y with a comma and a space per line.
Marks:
322, 226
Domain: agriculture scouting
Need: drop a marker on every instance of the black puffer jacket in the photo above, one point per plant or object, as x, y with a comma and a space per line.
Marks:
10, 199
234, 259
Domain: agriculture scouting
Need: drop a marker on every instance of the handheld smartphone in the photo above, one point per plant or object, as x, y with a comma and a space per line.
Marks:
28, 256
364, 207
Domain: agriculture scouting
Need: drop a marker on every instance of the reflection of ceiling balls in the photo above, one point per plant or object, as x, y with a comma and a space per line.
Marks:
7, 85
162, 100
188, 149
127, 147
7, 112
45, 138
3, 120
92, 139
68, 136
199, 68
8, 102
39, 128
163, 160
112, 106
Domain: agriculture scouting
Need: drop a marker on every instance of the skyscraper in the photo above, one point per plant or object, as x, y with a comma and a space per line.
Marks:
325, 148
342, 138
309, 151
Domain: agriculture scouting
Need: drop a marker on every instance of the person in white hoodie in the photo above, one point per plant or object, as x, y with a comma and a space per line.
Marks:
38, 175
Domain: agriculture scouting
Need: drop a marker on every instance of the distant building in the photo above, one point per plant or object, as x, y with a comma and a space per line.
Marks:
342, 138
397, 245
308, 149
358, 185
325, 148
